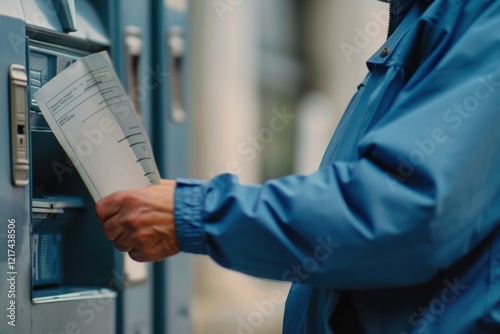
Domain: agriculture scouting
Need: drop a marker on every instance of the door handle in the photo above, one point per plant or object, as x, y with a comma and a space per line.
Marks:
133, 45
18, 125
177, 51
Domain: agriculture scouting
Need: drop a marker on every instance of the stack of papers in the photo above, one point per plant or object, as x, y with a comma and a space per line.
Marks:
94, 121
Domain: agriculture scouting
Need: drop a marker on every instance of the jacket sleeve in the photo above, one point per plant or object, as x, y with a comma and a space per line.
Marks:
424, 191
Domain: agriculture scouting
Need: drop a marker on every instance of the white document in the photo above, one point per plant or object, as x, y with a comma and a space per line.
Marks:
92, 118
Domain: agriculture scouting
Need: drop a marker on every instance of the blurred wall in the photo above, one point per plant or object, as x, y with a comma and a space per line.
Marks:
341, 36
224, 86
226, 114
232, 96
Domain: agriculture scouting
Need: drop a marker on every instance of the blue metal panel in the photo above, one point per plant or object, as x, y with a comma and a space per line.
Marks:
14, 201
60, 272
63, 209
131, 52
42, 14
170, 27
161, 82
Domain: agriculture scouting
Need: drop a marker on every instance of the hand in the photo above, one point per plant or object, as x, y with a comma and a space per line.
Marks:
141, 222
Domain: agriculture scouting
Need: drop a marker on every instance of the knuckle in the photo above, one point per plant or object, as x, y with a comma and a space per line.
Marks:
130, 199
133, 221
148, 255
125, 242
142, 238
120, 246
109, 230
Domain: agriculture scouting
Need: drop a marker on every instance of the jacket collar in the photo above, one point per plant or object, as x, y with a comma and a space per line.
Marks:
398, 9
394, 2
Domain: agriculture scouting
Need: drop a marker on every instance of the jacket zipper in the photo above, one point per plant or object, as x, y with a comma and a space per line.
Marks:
332, 148
390, 20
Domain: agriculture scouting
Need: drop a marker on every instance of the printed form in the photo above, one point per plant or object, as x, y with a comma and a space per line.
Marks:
92, 118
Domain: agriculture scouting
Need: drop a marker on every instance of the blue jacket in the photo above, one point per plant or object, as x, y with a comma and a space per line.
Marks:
402, 216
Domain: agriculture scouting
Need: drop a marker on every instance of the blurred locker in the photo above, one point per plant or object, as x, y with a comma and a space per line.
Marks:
129, 24
171, 143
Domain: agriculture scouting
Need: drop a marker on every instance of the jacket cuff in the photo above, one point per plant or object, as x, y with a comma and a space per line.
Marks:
188, 205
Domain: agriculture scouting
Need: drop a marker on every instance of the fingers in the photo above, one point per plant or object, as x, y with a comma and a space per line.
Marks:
112, 228
113, 211
109, 206
138, 256
141, 222
124, 243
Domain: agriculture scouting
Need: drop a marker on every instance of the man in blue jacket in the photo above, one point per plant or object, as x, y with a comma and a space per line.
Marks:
397, 232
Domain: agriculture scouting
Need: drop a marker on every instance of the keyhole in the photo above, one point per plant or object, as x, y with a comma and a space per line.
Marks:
20, 132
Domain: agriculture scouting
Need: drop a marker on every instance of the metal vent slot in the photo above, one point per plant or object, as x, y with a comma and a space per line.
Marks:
46, 211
